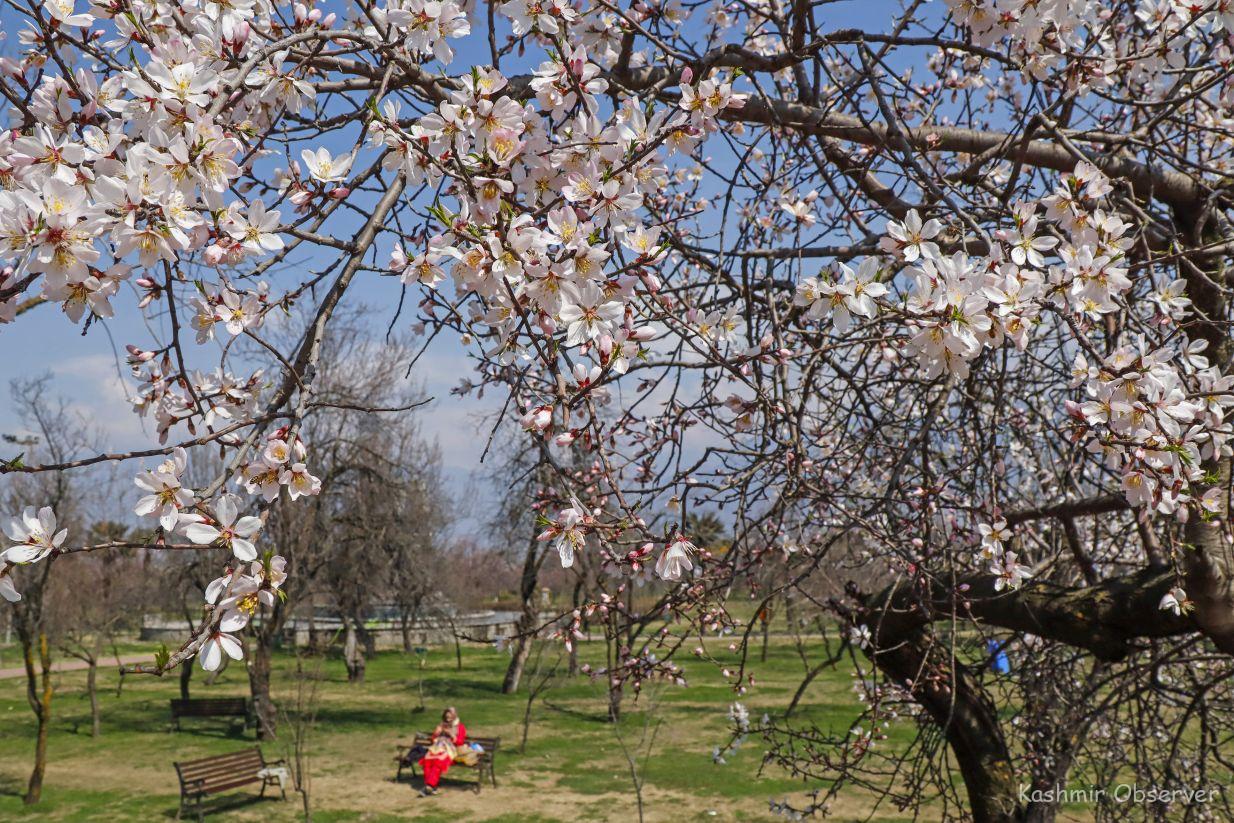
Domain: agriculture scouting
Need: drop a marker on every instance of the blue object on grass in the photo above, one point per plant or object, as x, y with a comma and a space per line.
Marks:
998, 656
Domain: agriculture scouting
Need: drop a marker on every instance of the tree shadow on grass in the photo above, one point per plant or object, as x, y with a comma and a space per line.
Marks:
12, 786
590, 717
361, 717
216, 731
462, 686
223, 803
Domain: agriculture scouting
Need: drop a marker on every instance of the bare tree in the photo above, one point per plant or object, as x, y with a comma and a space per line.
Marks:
54, 434
300, 719
638, 750
545, 669
86, 625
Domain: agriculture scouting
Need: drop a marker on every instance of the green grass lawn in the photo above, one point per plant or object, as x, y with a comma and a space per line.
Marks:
571, 770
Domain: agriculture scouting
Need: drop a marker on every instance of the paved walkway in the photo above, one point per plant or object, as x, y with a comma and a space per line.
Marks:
75, 665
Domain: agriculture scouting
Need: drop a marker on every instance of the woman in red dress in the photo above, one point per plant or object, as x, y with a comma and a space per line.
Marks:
449, 735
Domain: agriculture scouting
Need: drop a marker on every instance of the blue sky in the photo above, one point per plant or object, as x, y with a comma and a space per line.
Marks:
89, 370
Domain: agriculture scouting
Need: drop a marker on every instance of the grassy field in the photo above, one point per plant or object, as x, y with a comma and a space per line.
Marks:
572, 768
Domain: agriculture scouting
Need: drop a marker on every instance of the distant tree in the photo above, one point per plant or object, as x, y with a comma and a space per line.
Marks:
85, 625
707, 531
56, 435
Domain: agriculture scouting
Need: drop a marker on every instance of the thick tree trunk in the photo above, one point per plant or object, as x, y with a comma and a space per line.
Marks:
1210, 560
259, 685
353, 654
528, 584
405, 626
1210, 570
518, 662
186, 674
965, 714
42, 707
367, 638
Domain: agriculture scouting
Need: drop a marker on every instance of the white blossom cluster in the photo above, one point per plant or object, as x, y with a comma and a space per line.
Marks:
1151, 414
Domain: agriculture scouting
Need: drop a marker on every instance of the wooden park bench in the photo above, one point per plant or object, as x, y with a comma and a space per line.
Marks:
211, 707
484, 766
222, 773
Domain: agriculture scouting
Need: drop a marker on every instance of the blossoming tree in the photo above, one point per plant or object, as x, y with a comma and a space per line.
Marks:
947, 289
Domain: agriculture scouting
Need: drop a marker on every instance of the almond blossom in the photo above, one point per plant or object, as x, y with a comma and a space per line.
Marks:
230, 530
35, 535
325, 168
167, 497
676, 559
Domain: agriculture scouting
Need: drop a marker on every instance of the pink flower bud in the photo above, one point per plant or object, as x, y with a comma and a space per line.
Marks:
340, 192
538, 419
301, 13
214, 254
328, 22
314, 15
687, 75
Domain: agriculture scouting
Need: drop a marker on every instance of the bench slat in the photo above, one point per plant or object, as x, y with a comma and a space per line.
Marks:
246, 767
253, 754
221, 773
219, 788
223, 761
214, 780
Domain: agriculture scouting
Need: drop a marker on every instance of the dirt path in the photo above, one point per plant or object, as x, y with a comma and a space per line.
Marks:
77, 665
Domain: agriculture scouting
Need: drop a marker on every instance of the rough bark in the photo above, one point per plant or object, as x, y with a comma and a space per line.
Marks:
405, 626
40, 701
1209, 563
264, 710
353, 654
519, 653
965, 714
1105, 619
528, 584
